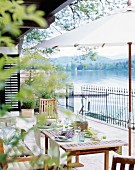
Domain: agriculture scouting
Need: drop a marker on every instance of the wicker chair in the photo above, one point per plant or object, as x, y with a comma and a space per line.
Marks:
123, 162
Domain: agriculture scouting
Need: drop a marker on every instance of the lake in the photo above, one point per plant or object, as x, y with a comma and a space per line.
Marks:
100, 78
111, 107
117, 79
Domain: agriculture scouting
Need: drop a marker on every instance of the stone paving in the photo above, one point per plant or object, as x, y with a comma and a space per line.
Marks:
95, 161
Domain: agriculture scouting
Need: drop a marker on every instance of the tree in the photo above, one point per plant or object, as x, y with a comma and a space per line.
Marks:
80, 12
12, 15
40, 69
77, 13
73, 66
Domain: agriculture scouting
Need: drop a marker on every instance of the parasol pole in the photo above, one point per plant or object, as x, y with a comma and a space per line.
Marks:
130, 94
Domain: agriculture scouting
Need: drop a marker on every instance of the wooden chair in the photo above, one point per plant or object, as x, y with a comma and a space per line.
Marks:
37, 136
20, 157
49, 108
123, 162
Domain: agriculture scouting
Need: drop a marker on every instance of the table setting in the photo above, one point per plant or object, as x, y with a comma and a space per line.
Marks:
70, 132
64, 136
65, 130
77, 141
49, 125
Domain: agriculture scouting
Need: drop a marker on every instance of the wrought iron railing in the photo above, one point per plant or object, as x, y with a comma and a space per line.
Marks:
109, 104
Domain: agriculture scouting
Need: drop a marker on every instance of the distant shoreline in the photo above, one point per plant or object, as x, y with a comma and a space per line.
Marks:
88, 70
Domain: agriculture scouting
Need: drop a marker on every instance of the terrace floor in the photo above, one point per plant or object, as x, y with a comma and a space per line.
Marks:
95, 161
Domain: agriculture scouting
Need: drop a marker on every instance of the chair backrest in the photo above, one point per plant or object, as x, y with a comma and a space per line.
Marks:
19, 160
123, 162
49, 107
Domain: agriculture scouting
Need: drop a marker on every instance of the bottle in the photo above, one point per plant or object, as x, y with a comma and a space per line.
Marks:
84, 117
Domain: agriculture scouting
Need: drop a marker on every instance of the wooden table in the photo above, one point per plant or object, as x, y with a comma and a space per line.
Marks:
76, 149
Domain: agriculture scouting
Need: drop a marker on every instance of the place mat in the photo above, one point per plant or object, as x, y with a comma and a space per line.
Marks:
62, 139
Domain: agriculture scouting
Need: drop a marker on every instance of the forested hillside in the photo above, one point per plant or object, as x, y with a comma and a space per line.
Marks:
101, 63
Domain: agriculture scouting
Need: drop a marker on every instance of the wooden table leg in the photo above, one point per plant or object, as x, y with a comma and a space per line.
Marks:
106, 160
75, 164
46, 144
77, 159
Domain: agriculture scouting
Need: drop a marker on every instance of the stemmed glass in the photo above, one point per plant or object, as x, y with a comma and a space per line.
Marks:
59, 121
65, 126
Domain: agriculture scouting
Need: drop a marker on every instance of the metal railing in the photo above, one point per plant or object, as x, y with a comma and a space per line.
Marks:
108, 104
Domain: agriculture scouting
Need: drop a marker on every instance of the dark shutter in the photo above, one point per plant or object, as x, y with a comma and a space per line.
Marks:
12, 86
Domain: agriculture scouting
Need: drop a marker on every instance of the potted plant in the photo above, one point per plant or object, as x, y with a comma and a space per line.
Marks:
28, 106
80, 122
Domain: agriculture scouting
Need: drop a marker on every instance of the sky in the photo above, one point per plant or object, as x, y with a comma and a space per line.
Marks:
116, 52
110, 52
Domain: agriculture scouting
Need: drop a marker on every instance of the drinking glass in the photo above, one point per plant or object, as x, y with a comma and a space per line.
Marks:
81, 136
54, 125
77, 131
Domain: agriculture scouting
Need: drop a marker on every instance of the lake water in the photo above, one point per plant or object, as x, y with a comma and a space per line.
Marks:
117, 79
101, 78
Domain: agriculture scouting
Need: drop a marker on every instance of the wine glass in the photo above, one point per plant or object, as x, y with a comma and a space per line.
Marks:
65, 126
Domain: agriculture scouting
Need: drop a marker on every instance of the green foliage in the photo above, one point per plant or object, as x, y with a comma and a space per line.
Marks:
67, 112
5, 74
42, 119
84, 11
3, 109
29, 103
89, 132
119, 65
36, 35
12, 16
43, 78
